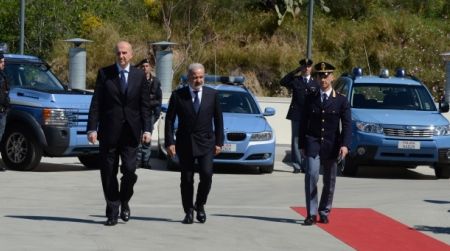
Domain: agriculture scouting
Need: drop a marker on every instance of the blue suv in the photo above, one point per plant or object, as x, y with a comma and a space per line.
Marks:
395, 122
45, 117
249, 139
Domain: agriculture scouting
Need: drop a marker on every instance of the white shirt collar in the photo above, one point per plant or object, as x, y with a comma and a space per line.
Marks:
192, 89
328, 92
126, 69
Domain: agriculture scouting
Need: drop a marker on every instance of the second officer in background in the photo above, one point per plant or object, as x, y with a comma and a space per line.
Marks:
299, 82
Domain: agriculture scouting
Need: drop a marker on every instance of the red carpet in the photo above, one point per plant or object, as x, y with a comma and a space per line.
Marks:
366, 229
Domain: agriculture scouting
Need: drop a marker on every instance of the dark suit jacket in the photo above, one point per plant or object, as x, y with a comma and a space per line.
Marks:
195, 133
299, 91
320, 132
111, 109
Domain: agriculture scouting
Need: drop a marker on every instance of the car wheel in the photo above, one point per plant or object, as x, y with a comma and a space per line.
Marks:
350, 167
90, 161
442, 171
21, 150
266, 169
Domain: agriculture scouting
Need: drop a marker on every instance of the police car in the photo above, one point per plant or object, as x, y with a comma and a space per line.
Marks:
249, 139
45, 118
395, 122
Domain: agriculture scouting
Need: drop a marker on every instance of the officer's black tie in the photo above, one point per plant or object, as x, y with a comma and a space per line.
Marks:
324, 98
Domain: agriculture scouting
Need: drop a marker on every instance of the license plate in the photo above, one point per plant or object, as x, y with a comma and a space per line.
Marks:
229, 148
409, 145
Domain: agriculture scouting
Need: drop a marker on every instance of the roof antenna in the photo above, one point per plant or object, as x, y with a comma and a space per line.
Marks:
367, 59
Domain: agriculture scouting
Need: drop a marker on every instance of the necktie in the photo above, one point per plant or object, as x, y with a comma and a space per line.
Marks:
324, 98
305, 80
196, 102
123, 82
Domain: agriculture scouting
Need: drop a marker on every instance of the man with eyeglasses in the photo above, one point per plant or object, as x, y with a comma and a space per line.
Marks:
323, 142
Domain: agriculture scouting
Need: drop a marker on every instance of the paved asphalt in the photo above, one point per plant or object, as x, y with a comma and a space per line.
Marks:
60, 206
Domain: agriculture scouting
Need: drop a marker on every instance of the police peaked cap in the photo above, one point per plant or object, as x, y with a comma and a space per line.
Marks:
143, 61
305, 61
324, 67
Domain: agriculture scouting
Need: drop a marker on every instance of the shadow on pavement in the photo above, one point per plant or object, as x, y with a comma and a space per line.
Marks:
143, 218
437, 201
161, 165
388, 172
53, 218
61, 167
436, 230
57, 167
280, 220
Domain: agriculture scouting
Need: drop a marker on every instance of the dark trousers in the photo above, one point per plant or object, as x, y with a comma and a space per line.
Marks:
205, 170
126, 149
145, 149
296, 157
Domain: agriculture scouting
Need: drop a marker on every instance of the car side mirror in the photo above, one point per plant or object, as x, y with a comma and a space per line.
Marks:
269, 111
443, 106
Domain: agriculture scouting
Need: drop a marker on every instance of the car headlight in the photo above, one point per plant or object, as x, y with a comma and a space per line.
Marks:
261, 136
369, 127
442, 130
58, 117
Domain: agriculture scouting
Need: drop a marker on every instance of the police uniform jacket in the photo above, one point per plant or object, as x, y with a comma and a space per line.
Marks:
299, 90
154, 86
320, 130
4, 92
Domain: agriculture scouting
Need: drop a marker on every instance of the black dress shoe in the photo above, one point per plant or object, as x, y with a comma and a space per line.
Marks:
201, 215
111, 221
297, 170
125, 213
189, 218
310, 220
324, 219
2, 169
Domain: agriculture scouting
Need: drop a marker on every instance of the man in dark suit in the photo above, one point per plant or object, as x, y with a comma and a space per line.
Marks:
120, 113
300, 83
4, 98
199, 136
325, 137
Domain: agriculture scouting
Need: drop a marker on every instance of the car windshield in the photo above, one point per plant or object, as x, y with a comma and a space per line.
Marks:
32, 76
394, 97
237, 102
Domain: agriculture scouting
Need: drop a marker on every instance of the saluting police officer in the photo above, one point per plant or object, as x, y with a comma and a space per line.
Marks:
322, 141
299, 82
